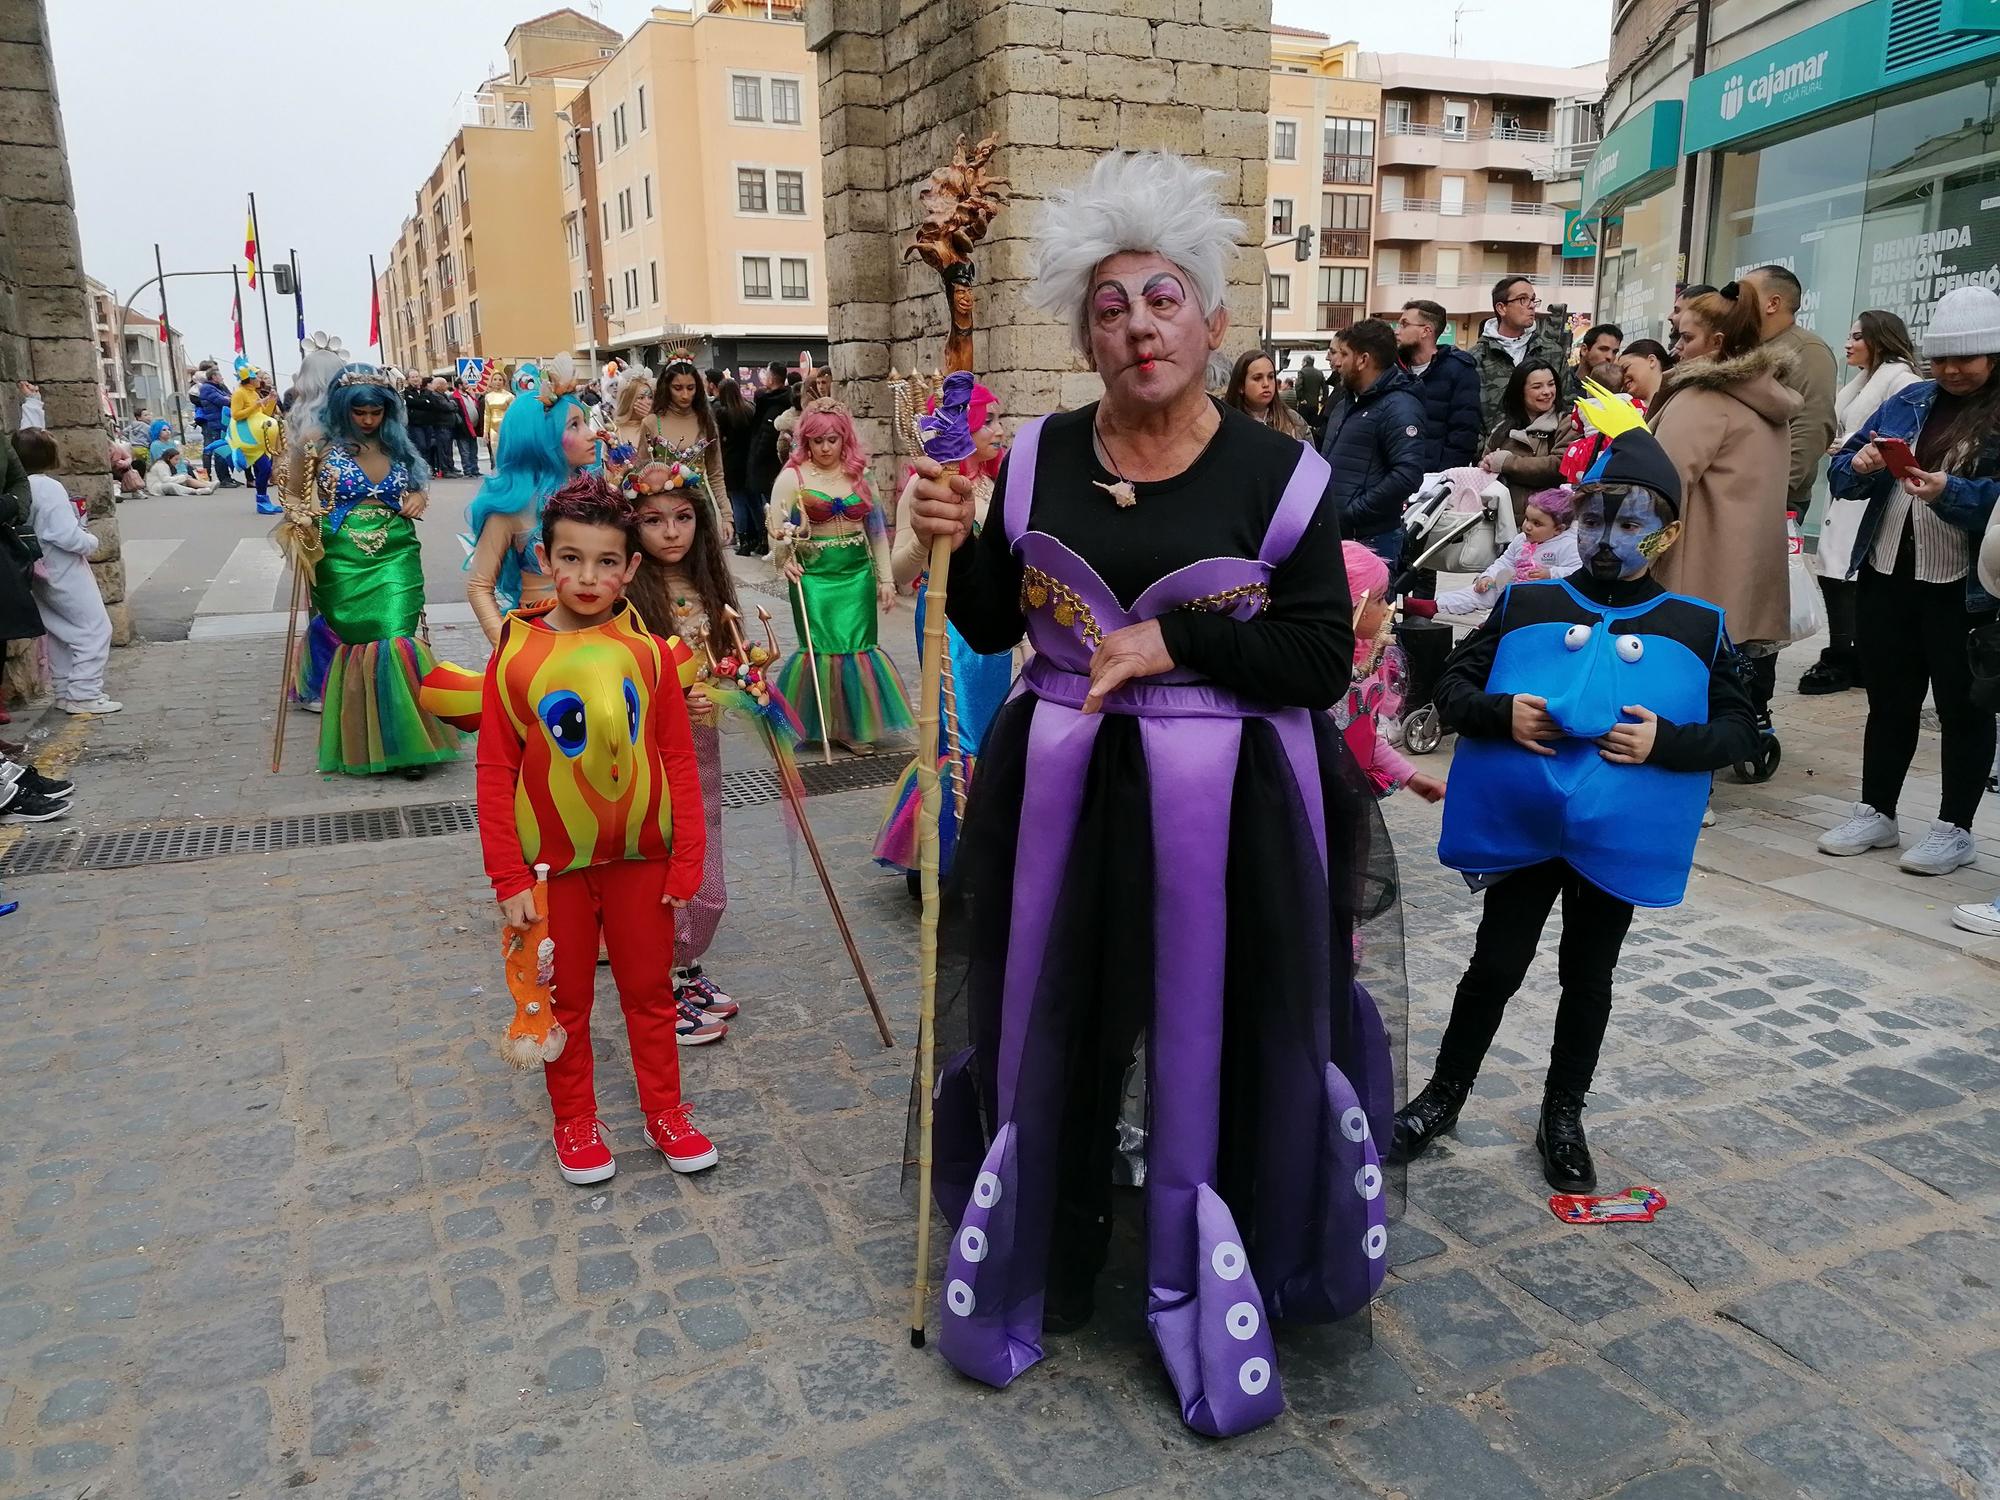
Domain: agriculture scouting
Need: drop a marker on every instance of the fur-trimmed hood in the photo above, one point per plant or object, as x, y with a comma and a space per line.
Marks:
1755, 378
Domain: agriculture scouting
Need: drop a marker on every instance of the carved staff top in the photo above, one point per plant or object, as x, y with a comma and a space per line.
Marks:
959, 202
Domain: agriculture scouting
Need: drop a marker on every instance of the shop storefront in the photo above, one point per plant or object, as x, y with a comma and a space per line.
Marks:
1861, 154
1629, 188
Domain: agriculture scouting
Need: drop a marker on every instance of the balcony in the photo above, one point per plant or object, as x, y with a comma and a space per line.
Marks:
1334, 316
1465, 295
492, 112
1347, 171
1343, 244
1566, 162
1471, 223
1496, 148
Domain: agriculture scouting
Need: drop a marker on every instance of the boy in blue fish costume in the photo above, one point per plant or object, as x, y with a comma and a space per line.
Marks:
1591, 712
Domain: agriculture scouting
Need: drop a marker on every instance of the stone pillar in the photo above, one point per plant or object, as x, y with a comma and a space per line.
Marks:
1060, 82
45, 332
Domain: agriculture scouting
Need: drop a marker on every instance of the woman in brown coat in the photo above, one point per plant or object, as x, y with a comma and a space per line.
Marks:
1725, 419
1525, 447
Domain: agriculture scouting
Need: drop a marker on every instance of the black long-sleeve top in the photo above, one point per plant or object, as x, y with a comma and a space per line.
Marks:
1298, 651
1729, 736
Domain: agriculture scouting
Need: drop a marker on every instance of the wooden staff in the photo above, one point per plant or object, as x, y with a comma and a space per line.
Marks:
960, 202
797, 802
296, 552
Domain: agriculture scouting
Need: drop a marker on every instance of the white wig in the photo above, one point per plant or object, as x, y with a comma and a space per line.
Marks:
305, 423
1144, 202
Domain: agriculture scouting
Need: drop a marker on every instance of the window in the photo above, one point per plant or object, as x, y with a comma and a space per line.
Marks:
1285, 144
1281, 292
517, 115
605, 211
631, 289
791, 192
1448, 273
642, 109
1350, 151
653, 275
1457, 119
447, 270
646, 183
618, 128
1343, 283
792, 280
464, 195
574, 233
1281, 216
756, 276
785, 101
598, 136
451, 329
472, 309
750, 191
625, 219
746, 97
1344, 219
1396, 116
576, 306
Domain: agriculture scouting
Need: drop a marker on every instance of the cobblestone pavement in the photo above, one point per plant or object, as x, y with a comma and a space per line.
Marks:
273, 1215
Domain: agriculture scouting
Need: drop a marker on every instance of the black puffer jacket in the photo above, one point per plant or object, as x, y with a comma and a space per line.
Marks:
19, 619
1375, 442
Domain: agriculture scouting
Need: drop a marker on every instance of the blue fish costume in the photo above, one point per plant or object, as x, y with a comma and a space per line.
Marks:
1592, 711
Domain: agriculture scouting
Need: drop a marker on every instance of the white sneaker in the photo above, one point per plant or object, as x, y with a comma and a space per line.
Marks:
1944, 849
1866, 830
98, 705
1978, 916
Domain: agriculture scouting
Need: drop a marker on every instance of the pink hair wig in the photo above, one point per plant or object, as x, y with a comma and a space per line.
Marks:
853, 456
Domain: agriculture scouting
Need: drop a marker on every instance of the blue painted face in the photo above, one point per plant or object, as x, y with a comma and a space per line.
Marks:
1619, 531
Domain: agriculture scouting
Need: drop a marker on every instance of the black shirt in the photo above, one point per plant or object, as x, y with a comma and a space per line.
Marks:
1299, 651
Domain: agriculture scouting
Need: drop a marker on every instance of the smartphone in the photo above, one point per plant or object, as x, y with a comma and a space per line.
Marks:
1896, 455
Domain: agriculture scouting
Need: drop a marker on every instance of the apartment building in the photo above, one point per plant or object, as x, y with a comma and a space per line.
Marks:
1478, 172
691, 192
478, 264
135, 370
1324, 121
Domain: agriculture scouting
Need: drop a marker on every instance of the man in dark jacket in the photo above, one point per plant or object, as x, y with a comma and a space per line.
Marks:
1374, 438
1513, 335
773, 400
211, 415
1447, 386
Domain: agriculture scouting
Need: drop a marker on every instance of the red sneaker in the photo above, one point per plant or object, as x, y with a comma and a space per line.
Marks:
581, 1155
672, 1134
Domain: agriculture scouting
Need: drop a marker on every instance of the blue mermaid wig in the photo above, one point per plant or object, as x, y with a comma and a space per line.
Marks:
529, 467
393, 434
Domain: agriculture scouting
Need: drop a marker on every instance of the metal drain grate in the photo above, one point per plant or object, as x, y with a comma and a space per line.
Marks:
122, 849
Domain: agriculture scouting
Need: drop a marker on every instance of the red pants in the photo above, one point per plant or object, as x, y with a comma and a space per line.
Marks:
622, 902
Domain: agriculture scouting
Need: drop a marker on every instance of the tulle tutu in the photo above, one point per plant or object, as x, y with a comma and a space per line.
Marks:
896, 844
371, 721
865, 696
315, 658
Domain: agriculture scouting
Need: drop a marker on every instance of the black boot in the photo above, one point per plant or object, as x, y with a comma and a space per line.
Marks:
1559, 1138
1427, 1117
1834, 672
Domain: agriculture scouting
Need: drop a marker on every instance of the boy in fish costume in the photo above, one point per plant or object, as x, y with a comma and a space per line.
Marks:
586, 765
1591, 710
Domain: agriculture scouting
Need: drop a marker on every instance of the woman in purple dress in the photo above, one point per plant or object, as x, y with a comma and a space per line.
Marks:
1170, 864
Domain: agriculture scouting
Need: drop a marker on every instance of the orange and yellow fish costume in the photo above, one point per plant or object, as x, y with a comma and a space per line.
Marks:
586, 765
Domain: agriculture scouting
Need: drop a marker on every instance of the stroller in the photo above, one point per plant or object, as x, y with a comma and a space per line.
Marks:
1442, 530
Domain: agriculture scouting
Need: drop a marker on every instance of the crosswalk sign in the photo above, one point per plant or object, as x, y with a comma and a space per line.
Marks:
472, 371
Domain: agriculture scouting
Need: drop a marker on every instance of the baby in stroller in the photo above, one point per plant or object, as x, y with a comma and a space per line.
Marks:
1545, 547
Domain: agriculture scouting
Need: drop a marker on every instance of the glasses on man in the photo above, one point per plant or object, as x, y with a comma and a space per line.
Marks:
1528, 297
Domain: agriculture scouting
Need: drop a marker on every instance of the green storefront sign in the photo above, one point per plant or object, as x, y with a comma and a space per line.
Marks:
1646, 145
1852, 56
1579, 235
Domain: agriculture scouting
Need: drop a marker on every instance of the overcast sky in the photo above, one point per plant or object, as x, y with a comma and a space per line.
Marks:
333, 112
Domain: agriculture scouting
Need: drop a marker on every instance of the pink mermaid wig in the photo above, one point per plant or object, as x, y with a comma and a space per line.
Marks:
817, 420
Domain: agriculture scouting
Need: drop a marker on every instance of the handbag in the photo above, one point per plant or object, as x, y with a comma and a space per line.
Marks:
1805, 612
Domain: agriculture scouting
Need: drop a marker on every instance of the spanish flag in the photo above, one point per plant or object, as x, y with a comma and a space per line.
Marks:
250, 247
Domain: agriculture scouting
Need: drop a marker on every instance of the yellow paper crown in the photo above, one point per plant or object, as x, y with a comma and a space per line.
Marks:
1608, 413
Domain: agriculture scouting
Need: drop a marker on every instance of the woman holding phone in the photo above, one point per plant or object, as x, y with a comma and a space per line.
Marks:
1928, 465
